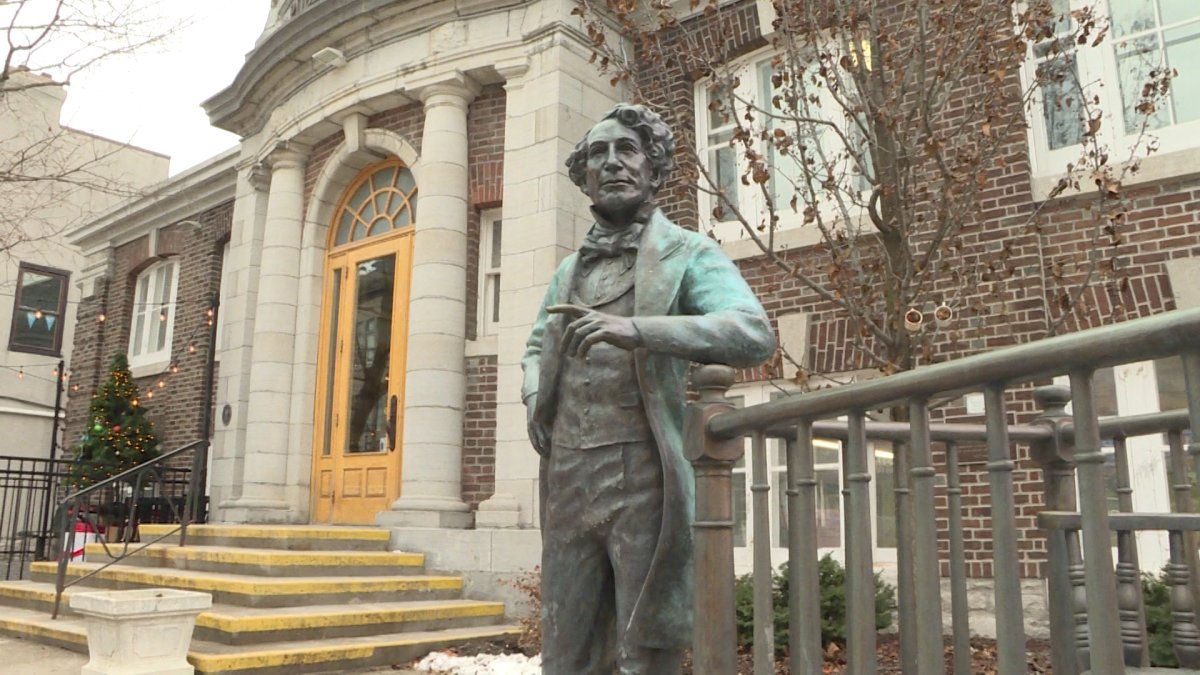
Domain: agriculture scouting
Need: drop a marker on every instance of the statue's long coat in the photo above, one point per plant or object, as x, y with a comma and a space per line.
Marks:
691, 304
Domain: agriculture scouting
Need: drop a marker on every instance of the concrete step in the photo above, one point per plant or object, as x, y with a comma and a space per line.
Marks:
335, 655
288, 537
271, 562
251, 591
235, 625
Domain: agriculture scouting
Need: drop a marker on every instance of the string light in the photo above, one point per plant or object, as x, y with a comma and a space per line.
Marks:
21, 373
192, 348
174, 368
161, 384
102, 317
37, 313
162, 314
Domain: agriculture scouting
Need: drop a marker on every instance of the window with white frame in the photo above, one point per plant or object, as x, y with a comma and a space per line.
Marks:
490, 233
1144, 37
827, 463
757, 85
153, 314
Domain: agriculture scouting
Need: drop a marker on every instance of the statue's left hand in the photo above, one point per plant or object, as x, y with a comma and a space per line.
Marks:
588, 327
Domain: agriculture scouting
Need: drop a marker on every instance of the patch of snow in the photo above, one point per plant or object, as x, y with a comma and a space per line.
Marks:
483, 664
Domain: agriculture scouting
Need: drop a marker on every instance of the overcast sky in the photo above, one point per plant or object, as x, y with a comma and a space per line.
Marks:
153, 99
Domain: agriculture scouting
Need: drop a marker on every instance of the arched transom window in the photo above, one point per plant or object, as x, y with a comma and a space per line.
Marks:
383, 198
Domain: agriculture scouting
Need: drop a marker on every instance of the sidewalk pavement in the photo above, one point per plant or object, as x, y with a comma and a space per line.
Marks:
26, 657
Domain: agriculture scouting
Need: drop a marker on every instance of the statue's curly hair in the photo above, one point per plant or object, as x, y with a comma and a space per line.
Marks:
658, 142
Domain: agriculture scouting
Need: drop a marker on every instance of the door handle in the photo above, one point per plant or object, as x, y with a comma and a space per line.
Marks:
391, 423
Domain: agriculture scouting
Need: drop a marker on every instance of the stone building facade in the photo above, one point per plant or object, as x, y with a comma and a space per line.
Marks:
402, 166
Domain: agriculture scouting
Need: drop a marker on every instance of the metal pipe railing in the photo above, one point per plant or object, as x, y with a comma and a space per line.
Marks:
87, 505
1095, 611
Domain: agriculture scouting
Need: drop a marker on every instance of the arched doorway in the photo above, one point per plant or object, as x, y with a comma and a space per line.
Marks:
361, 359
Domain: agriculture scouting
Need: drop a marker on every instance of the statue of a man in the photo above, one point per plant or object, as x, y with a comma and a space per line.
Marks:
605, 377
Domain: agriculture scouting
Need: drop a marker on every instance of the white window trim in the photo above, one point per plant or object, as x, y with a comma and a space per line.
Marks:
790, 231
1099, 65
755, 393
161, 357
485, 304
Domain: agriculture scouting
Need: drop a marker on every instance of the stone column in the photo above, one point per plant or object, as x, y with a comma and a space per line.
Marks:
264, 467
550, 107
431, 487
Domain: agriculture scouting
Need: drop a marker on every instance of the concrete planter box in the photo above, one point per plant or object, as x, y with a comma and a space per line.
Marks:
142, 632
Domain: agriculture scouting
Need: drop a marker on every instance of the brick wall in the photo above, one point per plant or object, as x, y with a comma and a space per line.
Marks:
176, 408
479, 431
1010, 299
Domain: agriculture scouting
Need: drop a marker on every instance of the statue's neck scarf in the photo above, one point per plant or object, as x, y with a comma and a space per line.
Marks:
605, 240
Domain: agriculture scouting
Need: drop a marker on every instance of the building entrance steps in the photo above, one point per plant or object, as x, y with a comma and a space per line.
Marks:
285, 599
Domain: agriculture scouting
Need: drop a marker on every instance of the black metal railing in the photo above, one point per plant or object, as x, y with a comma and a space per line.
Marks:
168, 489
29, 488
1094, 595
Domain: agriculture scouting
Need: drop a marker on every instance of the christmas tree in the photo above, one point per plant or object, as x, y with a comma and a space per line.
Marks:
118, 436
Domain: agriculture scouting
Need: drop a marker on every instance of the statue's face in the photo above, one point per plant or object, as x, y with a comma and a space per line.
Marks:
619, 177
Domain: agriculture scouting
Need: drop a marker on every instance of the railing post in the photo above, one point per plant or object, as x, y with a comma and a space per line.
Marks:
714, 647
1006, 577
861, 657
1100, 579
926, 575
804, 597
764, 577
1129, 577
1183, 606
959, 609
1056, 460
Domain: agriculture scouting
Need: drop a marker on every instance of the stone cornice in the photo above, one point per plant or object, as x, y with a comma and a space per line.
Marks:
176, 199
280, 63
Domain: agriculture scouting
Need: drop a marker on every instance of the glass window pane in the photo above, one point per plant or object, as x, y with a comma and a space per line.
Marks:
718, 104
379, 226
1104, 387
1136, 59
405, 182
34, 329
779, 490
829, 509
1183, 54
40, 291
344, 226
723, 165
360, 195
497, 232
495, 281
739, 509
1174, 11
1061, 106
827, 452
885, 498
1172, 395
1131, 16
370, 360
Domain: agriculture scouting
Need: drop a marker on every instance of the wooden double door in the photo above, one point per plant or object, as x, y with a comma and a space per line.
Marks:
360, 380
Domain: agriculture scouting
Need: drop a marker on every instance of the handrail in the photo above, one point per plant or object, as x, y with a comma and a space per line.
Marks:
1149, 338
69, 511
1095, 613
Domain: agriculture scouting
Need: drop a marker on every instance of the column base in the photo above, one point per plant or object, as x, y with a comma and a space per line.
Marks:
256, 510
500, 512
427, 512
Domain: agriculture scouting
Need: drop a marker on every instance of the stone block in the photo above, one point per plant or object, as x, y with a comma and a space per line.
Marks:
140, 632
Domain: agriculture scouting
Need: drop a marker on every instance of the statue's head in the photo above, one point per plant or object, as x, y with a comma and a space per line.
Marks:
623, 160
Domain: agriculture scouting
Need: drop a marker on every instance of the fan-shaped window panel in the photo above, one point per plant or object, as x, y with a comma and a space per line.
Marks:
383, 198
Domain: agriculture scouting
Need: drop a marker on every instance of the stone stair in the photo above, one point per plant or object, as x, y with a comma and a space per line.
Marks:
286, 599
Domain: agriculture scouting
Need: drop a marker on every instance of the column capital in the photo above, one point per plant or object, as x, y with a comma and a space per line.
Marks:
453, 88
288, 155
513, 71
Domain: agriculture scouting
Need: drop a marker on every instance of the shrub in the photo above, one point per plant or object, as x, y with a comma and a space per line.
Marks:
832, 579
1156, 598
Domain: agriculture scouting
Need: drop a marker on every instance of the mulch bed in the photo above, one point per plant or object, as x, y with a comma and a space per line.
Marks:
983, 657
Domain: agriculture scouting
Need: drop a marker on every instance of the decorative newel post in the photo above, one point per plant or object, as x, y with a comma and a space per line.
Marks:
714, 647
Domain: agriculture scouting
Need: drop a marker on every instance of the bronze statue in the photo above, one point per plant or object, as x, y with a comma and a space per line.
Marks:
605, 375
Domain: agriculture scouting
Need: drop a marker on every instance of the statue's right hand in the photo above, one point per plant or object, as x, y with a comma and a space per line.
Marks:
539, 435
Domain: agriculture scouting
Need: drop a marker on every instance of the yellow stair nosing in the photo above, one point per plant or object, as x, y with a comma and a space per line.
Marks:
272, 587
273, 531
40, 630
297, 655
264, 556
349, 617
